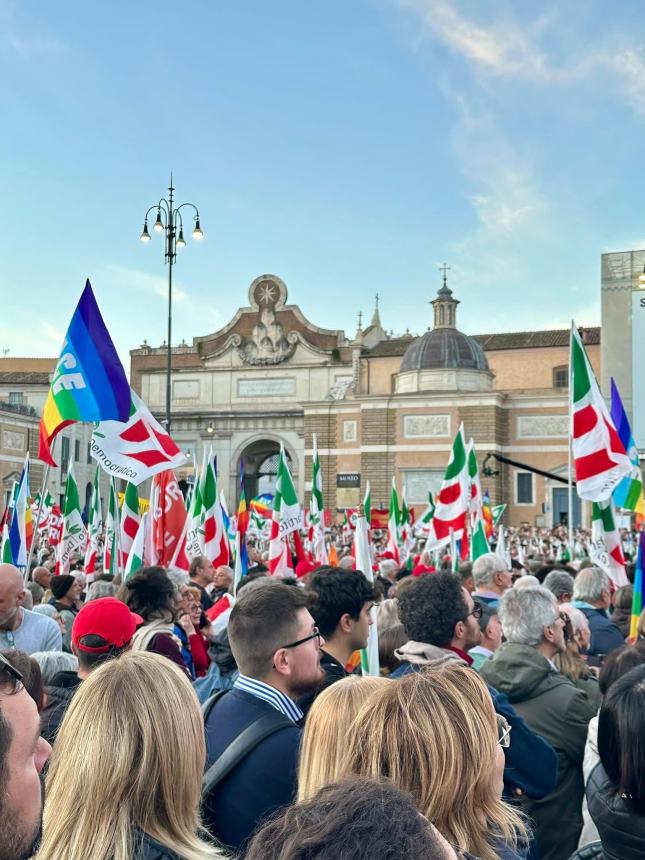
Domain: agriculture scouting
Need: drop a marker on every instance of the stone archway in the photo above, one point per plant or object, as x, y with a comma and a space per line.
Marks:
260, 459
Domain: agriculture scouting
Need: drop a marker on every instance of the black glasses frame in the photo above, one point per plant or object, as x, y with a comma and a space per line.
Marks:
10, 669
314, 635
477, 612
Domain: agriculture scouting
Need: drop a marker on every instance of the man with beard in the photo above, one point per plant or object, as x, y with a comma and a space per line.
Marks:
252, 731
442, 621
20, 628
23, 754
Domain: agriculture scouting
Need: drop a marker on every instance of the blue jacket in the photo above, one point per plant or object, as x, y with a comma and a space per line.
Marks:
605, 635
261, 782
531, 762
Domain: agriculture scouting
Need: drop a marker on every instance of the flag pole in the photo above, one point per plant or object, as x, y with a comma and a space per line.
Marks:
569, 463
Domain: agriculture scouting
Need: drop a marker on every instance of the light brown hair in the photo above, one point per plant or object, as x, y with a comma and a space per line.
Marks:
323, 752
130, 753
434, 733
263, 619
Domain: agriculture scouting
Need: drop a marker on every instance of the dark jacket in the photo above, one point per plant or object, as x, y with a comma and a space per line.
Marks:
147, 848
59, 694
622, 832
555, 709
531, 763
334, 671
622, 618
262, 782
605, 635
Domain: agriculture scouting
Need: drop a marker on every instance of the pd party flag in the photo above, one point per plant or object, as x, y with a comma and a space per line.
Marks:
629, 492
363, 556
135, 557
605, 549
130, 520
137, 449
286, 518
74, 534
599, 455
393, 522
317, 510
89, 381
449, 521
95, 527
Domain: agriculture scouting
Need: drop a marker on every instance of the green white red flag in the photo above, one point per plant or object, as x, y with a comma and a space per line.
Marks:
479, 542
94, 528
605, 549
6, 555
286, 518
475, 500
195, 532
600, 459
74, 535
111, 546
393, 522
317, 510
130, 521
363, 556
453, 498
135, 449
216, 546
137, 550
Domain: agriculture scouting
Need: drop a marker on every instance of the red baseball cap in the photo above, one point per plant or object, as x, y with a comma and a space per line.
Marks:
106, 617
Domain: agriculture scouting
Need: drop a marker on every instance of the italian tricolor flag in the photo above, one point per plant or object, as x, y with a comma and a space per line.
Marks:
393, 522
599, 456
453, 498
74, 534
95, 526
130, 520
111, 548
286, 518
135, 558
216, 547
605, 549
317, 510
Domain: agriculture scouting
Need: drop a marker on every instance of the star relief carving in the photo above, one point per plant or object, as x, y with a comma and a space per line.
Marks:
266, 294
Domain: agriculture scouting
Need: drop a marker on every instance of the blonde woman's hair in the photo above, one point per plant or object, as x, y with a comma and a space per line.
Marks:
130, 752
434, 733
323, 752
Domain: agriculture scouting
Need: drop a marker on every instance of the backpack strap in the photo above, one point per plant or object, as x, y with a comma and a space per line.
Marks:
242, 745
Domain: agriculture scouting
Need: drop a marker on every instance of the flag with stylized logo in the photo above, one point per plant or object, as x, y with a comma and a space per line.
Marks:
136, 449
94, 528
74, 534
130, 521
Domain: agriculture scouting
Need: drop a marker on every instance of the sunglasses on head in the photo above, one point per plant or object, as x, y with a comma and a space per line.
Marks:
6, 666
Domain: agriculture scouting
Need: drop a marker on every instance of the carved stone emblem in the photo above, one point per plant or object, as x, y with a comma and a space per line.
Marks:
269, 343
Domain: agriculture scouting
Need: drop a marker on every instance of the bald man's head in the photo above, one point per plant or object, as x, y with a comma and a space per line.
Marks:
42, 575
12, 590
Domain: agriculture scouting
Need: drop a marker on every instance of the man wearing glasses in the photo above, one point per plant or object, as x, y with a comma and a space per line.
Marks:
23, 754
252, 731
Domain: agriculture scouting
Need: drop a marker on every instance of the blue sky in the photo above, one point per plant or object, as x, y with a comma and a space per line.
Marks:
348, 146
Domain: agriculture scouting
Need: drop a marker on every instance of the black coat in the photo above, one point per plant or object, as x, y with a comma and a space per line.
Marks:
622, 832
59, 694
334, 671
147, 848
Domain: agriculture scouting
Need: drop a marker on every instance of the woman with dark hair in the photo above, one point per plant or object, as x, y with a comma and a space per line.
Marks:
622, 614
361, 819
616, 788
151, 594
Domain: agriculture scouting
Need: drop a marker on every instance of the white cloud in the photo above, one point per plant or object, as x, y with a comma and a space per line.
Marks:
126, 278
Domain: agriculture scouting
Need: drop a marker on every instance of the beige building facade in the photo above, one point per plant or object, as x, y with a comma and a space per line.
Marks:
379, 405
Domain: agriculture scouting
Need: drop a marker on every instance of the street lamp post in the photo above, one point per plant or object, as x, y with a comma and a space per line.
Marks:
168, 219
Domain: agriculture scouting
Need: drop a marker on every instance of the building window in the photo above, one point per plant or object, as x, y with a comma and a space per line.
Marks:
16, 398
64, 451
89, 452
349, 431
561, 377
524, 491
77, 450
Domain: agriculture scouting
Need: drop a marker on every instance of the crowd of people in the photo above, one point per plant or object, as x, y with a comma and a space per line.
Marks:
166, 717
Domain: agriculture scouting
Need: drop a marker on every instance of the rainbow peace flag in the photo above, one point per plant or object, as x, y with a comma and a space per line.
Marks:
637, 599
262, 505
89, 382
21, 531
628, 493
